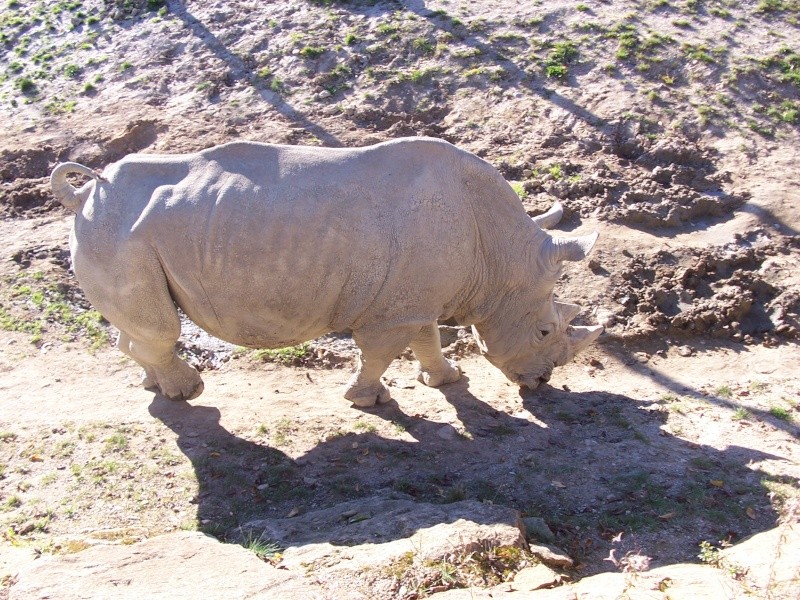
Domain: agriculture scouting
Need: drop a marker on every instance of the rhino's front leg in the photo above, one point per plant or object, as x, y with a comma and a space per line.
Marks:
434, 369
378, 347
175, 379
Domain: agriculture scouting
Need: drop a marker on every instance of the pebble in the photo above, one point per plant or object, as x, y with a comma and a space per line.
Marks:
685, 351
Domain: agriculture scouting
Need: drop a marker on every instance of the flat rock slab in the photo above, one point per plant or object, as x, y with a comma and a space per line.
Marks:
186, 565
379, 519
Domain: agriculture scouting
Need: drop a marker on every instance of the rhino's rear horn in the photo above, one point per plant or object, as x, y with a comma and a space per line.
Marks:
572, 249
551, 217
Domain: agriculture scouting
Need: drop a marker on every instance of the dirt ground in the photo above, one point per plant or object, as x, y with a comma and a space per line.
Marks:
669, 127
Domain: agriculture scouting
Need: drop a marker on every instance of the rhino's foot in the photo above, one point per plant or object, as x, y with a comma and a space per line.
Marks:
179, 382
149, 379
184, 394
365, 397
449, 373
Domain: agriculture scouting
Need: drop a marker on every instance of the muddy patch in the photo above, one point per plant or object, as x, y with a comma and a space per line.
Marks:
742, 291
669, 184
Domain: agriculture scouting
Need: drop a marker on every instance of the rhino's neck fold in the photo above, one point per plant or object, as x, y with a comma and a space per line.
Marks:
511, 279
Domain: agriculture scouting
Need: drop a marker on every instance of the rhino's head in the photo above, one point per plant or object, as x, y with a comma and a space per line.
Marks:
534, 335
531, 363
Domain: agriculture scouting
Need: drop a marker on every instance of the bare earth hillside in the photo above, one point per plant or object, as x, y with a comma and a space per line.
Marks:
672, 127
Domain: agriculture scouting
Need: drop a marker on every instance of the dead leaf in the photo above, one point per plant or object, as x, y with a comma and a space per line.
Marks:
294, 512
214, 454
558, 484
717, 483
750, 511
36, 458
667, 516
617, 538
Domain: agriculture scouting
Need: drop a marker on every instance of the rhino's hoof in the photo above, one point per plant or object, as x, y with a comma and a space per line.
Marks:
448, 374
368, 398
184, 395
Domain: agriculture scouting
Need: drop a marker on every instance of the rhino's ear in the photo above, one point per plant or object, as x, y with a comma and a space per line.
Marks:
560, 249
567, 311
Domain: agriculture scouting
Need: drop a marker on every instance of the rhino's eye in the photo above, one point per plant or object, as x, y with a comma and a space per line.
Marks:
544, 333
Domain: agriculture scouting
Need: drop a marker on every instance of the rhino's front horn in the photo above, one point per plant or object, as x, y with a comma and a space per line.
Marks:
572, 249
582, 337
560, 249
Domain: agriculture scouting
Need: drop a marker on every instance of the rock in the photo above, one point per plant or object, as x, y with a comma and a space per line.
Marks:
685, 351
768, 561
551, 556
447, 432
181, 565
448, 334
535, 578
536, 528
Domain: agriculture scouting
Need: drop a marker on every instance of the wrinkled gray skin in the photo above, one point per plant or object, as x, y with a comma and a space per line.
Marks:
269, 246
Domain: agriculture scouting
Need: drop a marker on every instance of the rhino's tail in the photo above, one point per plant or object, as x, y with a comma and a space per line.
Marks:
69, 196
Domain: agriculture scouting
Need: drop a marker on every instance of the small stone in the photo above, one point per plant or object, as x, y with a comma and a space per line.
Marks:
685, 351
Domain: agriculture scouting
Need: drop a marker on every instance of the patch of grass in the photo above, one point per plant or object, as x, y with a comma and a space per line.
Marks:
740, 414
388, 29
519, 188
559, 58
365, 427
724, 391
116, 442
25, 85
285, 356
781, 413
312, 51
787, 62
267, 551
423, 45
72, 71
7, 436
699, 52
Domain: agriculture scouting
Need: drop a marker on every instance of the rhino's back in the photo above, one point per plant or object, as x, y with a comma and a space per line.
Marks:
270, 245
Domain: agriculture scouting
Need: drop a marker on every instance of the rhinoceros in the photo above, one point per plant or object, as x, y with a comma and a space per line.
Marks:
269, 246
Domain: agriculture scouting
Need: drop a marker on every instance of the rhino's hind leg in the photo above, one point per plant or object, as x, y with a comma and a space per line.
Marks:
378, 348
434, 369
140, 306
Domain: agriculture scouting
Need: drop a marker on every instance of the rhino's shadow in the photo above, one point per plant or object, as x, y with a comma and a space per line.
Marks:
590, 464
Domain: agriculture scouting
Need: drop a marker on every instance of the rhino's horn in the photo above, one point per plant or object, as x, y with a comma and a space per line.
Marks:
582, 337
551, 217
567, 311
561, 249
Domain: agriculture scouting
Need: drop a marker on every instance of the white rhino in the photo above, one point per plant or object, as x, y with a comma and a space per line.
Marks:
268, 246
